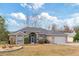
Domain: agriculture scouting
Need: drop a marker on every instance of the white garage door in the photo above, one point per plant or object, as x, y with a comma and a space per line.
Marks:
19, 41
60, 40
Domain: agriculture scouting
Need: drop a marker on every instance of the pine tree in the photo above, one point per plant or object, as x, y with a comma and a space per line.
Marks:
3, 31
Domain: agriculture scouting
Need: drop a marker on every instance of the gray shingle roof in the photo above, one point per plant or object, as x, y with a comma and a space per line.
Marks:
40, 31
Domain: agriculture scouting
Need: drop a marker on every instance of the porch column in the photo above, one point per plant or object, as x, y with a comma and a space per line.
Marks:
37, 37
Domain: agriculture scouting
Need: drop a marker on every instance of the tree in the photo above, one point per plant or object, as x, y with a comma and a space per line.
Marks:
34, 16
76, 28
54, 27
76, 37
66, 28
3, 30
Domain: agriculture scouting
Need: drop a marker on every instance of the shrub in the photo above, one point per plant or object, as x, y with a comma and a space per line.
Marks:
76, 37
4, 46
46, 41
10, 46
43, 41
26, 40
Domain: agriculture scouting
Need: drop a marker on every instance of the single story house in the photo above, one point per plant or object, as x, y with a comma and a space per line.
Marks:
36, 34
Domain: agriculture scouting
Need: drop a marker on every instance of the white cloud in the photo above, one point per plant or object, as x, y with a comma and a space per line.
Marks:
18, 16
48, 20
47, 16
12, 22
71, 22
75, 4
75, 15
23, 4
74, 20
32, 5
72, 4
14, 25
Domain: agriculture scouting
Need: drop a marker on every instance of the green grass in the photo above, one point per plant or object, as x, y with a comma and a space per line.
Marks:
44, 50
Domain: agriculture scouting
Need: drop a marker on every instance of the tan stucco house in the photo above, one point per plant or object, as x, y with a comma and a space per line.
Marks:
36, 34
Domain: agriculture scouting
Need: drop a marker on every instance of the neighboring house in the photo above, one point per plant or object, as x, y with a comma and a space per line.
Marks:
36, 34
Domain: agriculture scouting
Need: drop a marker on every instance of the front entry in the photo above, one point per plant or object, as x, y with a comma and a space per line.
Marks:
32, 37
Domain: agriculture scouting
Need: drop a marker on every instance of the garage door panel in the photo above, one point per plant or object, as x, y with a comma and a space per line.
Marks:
19, 41
60, 40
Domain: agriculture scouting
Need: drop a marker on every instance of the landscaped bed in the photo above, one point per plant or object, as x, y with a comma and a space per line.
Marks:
44, 50
7, 48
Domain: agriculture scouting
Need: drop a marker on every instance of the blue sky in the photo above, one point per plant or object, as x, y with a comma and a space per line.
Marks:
46, 14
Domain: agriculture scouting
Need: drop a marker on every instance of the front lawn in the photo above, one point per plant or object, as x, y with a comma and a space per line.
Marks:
44, 50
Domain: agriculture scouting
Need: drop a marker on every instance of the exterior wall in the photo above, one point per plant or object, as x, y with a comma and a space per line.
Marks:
70, 39
41, 36
12, 39
50, 39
